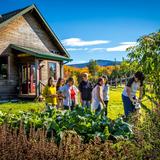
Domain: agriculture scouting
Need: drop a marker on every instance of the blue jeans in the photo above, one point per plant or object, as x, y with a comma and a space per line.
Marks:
99, 109
128, 106
86, 103
106, 108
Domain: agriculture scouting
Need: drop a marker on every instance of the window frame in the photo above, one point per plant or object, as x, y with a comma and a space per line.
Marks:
7, 67
55, 77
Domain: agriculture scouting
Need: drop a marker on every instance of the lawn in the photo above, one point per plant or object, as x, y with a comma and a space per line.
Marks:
115, 107
21, 106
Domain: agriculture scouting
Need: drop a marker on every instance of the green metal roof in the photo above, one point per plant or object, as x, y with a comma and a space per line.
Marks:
8, 17
40, 54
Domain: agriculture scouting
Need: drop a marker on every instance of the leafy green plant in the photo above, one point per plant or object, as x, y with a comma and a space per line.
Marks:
84, 122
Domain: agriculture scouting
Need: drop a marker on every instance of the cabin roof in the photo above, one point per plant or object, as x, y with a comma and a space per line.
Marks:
10, 16
39, 54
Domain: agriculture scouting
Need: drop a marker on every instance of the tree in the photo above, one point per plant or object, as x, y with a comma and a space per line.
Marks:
147, 56
127, 68
92, 67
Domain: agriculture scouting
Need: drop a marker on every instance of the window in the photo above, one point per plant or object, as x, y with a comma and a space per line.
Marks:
3, 67
52, 70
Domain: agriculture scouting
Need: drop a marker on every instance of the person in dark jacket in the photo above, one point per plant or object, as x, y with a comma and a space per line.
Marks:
85, 88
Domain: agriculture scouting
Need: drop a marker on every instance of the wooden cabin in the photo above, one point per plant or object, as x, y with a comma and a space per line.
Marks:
30, 53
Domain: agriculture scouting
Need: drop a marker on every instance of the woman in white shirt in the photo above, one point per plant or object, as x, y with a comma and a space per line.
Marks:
70, 93
97, 96
129, 92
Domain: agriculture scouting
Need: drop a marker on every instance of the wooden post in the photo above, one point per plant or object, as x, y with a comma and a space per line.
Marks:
27, 76
20, 70
9, 68
31, 78
61, 69
37, 77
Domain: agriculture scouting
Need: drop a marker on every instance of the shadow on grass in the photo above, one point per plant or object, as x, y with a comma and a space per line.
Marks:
145, 108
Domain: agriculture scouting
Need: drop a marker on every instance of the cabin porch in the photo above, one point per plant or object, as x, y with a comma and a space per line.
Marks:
28, 71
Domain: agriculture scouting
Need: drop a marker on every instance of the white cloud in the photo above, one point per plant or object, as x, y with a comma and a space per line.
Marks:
118, 48
97, 49
122, 47
128, 43
77, 42
76, 49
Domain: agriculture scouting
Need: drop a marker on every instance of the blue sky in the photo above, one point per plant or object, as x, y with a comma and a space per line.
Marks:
95, 29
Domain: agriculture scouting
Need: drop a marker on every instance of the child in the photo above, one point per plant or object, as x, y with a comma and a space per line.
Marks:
50, 94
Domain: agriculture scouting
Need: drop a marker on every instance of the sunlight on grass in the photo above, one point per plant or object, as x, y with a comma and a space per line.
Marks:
115, 106
21, 106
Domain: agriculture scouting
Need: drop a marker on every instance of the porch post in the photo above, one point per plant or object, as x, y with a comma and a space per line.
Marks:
9, 67
20, 70
27, 78
61, 69
37, 77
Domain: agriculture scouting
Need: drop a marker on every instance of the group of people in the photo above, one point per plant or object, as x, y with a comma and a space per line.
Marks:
65, 94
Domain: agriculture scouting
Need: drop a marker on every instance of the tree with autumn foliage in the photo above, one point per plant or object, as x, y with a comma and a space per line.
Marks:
70, 71
93, 67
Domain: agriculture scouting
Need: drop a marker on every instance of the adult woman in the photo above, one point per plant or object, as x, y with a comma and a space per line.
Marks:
97, 96
50, 94
129, 92
70, 94
106, 93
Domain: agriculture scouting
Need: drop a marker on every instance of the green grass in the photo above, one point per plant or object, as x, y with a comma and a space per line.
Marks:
115, 106
21, 106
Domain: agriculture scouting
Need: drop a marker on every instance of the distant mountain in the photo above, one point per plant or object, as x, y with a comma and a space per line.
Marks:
99, 62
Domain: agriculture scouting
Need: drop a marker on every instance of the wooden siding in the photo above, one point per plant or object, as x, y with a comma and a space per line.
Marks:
9, 86
25, 31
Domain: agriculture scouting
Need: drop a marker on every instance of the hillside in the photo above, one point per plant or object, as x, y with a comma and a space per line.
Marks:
99, 62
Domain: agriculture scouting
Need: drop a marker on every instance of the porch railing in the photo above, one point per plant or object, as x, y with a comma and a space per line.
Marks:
41, 87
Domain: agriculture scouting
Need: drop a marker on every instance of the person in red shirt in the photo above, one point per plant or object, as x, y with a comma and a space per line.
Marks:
70, 94
73, 93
